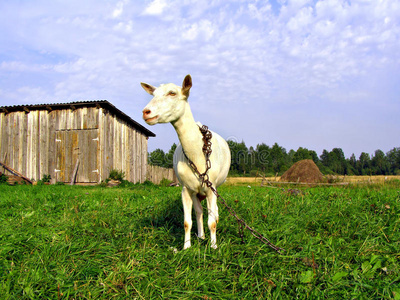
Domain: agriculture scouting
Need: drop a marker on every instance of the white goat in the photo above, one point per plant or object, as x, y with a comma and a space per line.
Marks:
170, 105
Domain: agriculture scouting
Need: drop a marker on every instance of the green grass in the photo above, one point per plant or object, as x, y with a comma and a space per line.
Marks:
63, 242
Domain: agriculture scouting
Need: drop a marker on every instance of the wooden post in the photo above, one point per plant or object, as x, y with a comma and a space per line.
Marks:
74, 173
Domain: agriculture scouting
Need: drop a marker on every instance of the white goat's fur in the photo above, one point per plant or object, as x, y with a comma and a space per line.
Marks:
170, 105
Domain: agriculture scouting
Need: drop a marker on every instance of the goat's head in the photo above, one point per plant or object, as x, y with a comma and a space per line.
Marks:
168, 103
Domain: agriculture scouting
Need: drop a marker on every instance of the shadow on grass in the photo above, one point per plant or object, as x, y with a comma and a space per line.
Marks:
169, 218
166, 218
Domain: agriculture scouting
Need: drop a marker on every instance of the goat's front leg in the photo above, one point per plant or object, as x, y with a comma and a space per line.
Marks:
212, 217
187, 211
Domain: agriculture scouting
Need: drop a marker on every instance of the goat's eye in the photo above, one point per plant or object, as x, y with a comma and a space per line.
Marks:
171, 93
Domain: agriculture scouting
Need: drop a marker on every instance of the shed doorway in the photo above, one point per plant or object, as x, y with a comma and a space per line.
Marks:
77, 148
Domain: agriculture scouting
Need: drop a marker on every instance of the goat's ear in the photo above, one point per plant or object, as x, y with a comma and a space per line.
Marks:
186, 85
148, 88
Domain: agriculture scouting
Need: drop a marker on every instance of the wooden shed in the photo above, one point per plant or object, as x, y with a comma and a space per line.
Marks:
82, 141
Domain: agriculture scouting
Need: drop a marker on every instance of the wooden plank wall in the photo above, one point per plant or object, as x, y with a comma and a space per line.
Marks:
122, 148
73, 145
28, 142
155, 174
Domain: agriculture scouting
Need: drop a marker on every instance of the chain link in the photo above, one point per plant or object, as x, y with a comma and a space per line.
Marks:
207, 136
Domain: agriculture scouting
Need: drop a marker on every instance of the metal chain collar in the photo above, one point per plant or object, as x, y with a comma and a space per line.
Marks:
207, 135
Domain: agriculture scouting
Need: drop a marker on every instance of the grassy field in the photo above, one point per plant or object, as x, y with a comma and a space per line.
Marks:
63, 242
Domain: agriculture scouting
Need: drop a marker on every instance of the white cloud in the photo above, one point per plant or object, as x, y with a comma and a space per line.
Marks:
156, 7
203, 29
244, 56
18, 66
126, 27
301, 20
260, 13
28, 95
118, 9
71, 67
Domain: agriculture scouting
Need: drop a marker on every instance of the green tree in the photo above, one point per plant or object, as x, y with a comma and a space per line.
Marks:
338, 161
242, 156
239, 157
252, 161
290, 157
364, 164
263, 157
304, 153
157, 158
279, 158
393, 158
352, 163
325, 158
379, 163
334, 161
169, 157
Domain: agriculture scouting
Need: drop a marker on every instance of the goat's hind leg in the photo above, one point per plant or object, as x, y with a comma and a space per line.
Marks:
199, 216
212, 217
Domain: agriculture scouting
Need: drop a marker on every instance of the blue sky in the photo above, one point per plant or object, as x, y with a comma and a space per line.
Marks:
317, 74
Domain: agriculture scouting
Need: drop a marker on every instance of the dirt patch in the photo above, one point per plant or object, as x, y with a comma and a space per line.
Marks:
303, 171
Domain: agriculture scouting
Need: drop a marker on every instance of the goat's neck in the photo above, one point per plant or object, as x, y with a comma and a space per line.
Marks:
190, 136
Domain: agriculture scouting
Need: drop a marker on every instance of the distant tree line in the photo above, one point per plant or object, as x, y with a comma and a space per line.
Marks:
272, 160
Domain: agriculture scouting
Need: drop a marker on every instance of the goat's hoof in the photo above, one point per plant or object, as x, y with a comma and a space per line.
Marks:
214, 246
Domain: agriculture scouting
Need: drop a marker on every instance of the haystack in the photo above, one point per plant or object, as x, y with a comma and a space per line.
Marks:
303, 171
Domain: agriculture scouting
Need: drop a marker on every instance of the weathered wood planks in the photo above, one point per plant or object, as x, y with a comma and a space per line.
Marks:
44, 141
155, 174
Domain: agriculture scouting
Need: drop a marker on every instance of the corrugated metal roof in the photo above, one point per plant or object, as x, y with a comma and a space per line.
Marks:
101, 103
